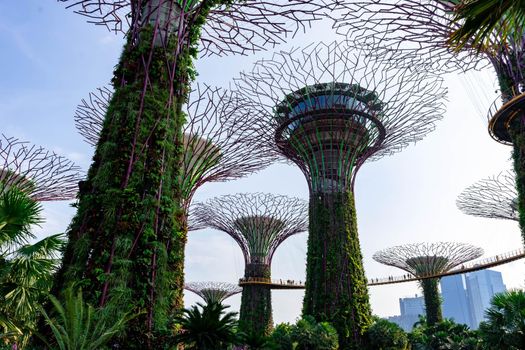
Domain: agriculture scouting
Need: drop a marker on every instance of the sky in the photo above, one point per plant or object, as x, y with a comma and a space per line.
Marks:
51, 59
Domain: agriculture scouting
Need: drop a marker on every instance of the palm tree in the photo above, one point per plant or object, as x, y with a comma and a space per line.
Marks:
78, 326
480, 19
207, 327
505, 325
25, 269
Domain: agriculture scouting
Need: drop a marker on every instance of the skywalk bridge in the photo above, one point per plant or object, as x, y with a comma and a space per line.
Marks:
477, 265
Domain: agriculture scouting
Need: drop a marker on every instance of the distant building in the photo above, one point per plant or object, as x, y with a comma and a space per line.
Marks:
481, 287
465, 299
411, 309
455, 302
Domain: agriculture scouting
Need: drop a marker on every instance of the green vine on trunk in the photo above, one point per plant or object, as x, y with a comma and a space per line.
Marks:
256, 303
336, 286
432, 301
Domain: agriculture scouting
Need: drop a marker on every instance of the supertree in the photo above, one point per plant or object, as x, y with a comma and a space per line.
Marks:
130, 189
424, 27
220, 137
220, 143
213, 292
494, 197
41, 174
259, 223
330, 109
426, 260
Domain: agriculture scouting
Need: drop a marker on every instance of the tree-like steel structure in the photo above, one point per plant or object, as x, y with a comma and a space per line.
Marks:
329, 110
130, 188
232, 27
221, 137
213, 292
220, 142
494, 197
259, 223
41, 174
428, 259
424, 27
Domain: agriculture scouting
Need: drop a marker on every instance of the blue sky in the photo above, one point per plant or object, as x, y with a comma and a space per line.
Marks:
51, 59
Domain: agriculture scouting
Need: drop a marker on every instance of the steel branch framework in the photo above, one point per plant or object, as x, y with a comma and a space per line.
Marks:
310, 95
258, 222
494, 197
423, 27
423, 259
221, 137
239, 28
42, 174
213, 291
411, 26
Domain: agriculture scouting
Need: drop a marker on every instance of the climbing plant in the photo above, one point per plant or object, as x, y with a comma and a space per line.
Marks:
256, 302
335, 268
432, 300
126, 242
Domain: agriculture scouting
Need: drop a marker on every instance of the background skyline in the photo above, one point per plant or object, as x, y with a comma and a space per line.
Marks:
52, 59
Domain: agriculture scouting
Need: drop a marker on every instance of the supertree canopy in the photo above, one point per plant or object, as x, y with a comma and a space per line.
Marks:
213, 292
259, 223
232, 27
495, 197
426, 260
41, 174
424, 27
132, 189
330, 109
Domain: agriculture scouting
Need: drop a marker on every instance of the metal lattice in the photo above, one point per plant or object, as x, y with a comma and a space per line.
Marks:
239, 28
494, 197
330, 108
42, 174
213, 292
423, 27
258, 222
427, 259
221, 136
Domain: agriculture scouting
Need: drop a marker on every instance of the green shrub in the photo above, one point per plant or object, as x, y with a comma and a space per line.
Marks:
445, 335
385, 335
307, 334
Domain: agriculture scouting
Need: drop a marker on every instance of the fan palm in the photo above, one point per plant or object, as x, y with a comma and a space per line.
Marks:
505, 325
207, 327
480, 19
25, 269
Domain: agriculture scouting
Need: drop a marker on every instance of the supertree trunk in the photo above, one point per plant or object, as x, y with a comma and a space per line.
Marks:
518, 154
432, 300
126, 243
256, 302
336, 288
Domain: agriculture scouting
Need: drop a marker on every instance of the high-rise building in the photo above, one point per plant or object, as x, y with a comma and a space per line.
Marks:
481, 287
411, 309
455, 304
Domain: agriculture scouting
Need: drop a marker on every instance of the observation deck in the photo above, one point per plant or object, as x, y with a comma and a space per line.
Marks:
506, 117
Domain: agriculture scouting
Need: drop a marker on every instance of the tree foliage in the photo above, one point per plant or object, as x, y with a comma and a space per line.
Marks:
207, 327
505, 325
307, 334
481, 19
26, 270
78, 326
385, 335
444, 335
